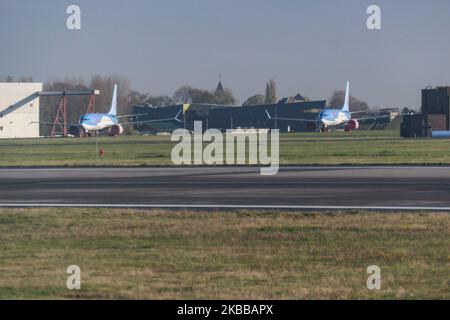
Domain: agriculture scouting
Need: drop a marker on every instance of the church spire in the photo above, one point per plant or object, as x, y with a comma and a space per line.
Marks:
220, 86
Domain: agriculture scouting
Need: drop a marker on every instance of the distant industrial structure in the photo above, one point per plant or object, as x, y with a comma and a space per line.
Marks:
225, 117
229, 117
435, 115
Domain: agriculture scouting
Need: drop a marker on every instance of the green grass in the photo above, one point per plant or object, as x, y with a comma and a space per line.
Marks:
157, 254
359, 147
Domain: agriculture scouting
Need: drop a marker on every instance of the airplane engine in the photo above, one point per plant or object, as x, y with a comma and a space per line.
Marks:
115, 130
352, 125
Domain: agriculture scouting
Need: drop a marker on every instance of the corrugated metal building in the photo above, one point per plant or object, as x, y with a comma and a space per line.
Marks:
436, 108
17, 124
435, 114
413, 126
226, 117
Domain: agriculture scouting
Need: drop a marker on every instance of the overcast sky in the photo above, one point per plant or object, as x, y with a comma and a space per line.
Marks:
310, 46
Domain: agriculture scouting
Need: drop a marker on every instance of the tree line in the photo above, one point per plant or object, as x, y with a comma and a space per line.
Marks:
337, 100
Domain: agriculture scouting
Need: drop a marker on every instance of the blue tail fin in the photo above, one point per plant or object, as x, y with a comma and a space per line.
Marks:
346, 106
113, 110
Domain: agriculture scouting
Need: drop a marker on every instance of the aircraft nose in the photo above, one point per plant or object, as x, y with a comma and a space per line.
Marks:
320, 118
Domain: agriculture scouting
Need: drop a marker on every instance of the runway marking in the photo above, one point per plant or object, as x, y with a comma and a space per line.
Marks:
312, 167
221, 206
165, 182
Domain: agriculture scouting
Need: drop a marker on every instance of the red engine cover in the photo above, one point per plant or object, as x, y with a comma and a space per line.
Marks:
352, 125
116, 130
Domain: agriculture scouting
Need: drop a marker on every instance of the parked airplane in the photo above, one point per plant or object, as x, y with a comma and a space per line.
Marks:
329, 118
95, 122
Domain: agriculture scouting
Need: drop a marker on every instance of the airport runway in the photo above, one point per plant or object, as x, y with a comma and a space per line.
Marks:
406, 188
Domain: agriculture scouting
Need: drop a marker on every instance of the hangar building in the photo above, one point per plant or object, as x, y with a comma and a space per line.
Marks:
226, 117
16, 123
435, 115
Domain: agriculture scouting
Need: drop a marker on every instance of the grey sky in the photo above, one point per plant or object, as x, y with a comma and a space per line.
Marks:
311, 46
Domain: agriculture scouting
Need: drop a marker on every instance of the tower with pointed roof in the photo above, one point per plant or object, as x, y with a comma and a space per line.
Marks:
220, 86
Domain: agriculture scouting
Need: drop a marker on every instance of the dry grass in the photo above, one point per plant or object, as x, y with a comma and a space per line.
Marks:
160, 254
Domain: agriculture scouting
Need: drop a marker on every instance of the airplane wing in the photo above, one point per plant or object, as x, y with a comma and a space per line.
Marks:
362, 111
52, 123
372, 118
131, 115
153, 121
147, 121
289, 119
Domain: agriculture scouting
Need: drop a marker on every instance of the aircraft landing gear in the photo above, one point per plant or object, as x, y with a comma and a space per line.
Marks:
84, 134
324, 129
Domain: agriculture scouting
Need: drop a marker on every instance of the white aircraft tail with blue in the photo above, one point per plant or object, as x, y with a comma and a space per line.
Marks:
113, 109
346, 106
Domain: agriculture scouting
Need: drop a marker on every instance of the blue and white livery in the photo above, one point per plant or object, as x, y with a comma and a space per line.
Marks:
94, 122
329, 118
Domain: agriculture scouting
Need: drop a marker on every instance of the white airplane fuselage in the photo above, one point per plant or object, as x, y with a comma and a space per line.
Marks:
92, 122
334, 117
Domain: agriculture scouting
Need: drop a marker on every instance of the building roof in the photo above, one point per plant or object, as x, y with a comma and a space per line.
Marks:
220, 87
299, 97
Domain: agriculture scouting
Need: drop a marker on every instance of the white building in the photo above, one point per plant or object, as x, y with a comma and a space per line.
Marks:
16, 124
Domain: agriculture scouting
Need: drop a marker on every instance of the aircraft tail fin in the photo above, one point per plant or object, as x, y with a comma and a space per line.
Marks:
113, 110
346, 106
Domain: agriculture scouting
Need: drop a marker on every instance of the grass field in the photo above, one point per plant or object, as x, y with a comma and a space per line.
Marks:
359, 147
180, 254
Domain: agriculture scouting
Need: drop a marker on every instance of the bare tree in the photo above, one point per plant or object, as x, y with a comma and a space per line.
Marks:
160, 100
188, 94
273, 91
106, 85
182, 95
268, 97
257, 99
136, 98
26, 79
337, 100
